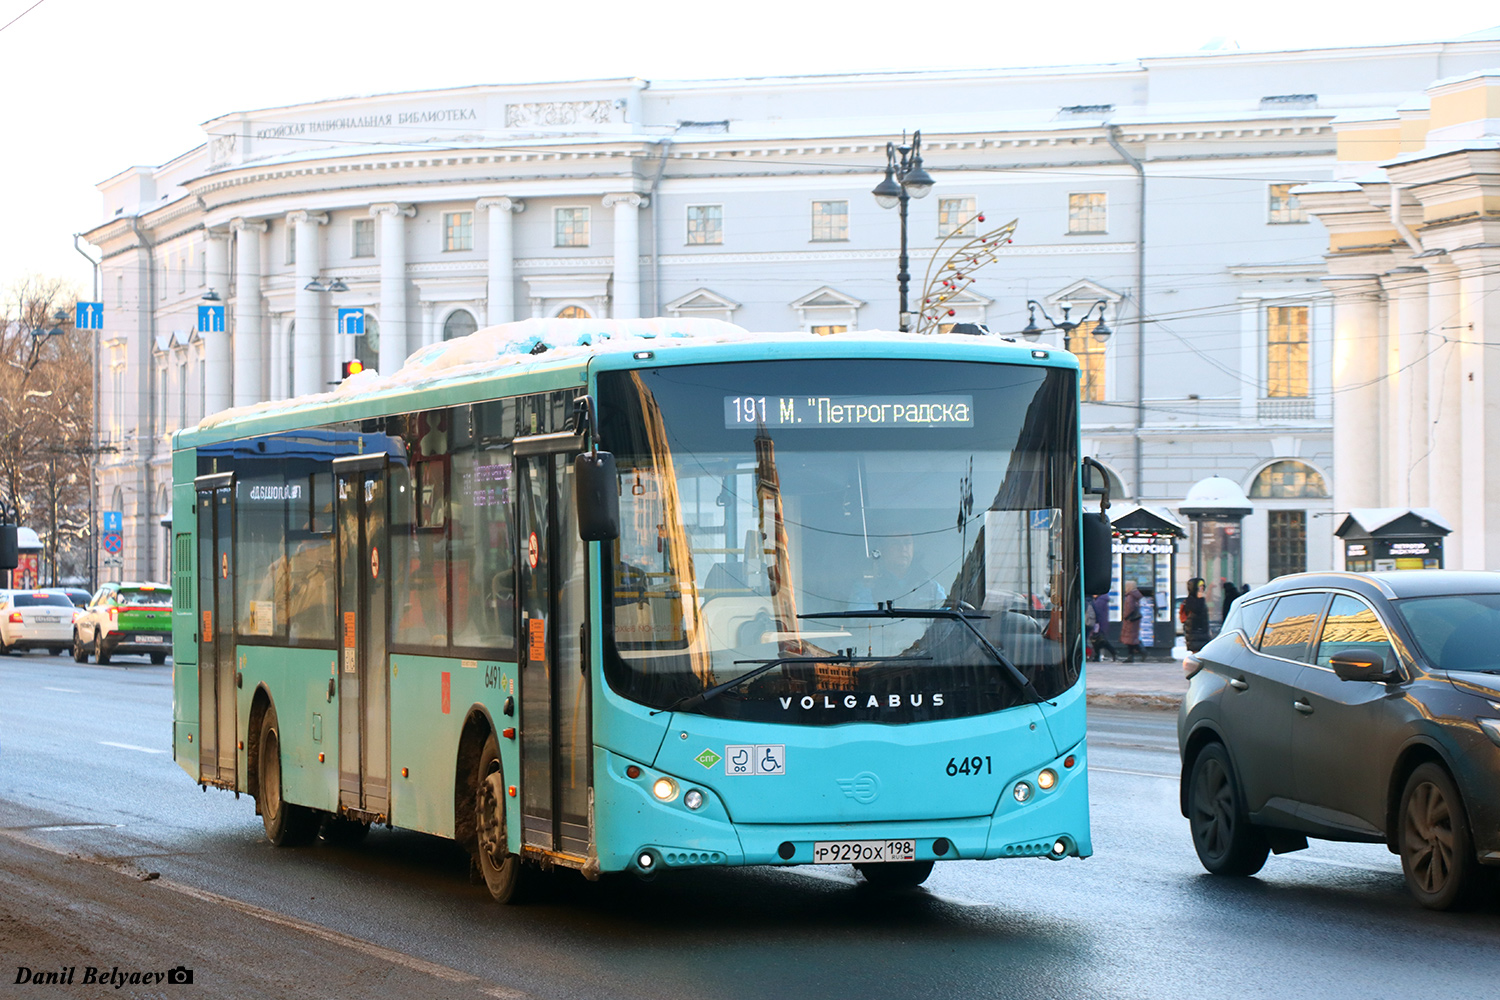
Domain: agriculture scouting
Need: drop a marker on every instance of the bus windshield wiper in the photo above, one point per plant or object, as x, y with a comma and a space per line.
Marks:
693, 701
887, 609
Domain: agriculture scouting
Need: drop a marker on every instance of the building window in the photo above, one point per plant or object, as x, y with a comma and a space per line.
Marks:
1286, 352
202, 268
367, 348
573, 312
1090, 353
827, 330
1086, 213
182, 393
458, 231
956, 215
1285, 208
460, 323
705, 224
571, 226
1287, 545
830, 221
291, 243
364, 238
1288, 480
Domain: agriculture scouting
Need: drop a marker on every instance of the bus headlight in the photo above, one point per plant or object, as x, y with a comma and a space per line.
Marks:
1046, 779
1022, 791
664, 789
693, 799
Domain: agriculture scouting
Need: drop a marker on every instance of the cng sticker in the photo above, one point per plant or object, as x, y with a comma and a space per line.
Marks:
533, 550
374, 563
708, 758
224, 565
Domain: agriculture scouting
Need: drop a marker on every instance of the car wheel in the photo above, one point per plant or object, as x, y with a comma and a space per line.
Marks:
80, 651
158, 658
101, 654
1437, 853
895, 875
1226, 841
287, 825
504, 874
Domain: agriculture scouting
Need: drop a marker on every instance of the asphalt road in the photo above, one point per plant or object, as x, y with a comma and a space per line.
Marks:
111, 857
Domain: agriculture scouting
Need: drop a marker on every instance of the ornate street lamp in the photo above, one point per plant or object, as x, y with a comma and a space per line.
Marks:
1101, 332
905, 179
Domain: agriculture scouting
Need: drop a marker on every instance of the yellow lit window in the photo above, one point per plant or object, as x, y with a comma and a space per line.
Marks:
1090, 353
1286, 352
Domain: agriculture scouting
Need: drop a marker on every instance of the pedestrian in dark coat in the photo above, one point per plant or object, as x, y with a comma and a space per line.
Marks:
1099, 633
1194, 615
1130, 622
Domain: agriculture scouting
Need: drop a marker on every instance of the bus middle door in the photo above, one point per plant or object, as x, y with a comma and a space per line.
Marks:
360, 511
556, 740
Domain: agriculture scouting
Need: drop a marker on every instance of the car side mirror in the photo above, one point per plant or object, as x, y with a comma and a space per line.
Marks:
1361, 665
597, 492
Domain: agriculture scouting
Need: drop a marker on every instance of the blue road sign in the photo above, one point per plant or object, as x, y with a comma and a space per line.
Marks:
352, 322
88, 316
210, 319
113, 520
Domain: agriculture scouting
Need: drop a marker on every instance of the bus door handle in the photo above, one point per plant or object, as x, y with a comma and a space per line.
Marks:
330, 689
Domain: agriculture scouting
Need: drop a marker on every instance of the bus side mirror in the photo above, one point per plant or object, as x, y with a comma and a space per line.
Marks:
596, 488
10, 552
1098, 553
1098, 536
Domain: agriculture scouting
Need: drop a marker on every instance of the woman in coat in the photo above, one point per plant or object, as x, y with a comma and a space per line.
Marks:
1130, 622
1195, 615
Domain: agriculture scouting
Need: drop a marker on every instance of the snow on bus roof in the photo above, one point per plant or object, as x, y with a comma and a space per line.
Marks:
533, 343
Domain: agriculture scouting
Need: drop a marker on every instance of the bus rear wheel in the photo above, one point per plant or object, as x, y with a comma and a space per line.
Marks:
896, 874
503, 871
287, 825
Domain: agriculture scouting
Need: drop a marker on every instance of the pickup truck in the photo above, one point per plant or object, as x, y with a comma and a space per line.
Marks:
125, 618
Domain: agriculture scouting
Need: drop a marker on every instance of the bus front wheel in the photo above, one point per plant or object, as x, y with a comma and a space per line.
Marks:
287, 825
896, 874
503, 871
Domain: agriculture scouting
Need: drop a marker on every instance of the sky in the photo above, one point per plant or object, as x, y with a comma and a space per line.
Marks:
91, 87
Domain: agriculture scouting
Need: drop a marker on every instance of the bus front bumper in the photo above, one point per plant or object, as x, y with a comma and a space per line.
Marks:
637, 830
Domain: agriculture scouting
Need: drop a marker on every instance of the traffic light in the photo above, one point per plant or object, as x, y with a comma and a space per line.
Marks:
353, 367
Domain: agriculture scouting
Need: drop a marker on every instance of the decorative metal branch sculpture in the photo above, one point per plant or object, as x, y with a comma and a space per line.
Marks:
957, 271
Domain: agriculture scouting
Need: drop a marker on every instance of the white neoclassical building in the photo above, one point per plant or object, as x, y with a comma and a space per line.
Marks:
1159, 187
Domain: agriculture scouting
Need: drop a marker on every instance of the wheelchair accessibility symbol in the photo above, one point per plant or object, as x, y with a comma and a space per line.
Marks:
765, 758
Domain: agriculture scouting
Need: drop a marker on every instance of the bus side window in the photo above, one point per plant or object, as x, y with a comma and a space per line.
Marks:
419, 602
483, 572
310, 561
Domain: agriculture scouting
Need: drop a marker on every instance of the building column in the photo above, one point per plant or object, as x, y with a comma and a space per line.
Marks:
1407, 290
249, 322
1442, 436
309, 352
627, 290
395, 340
429, 334
501, 288
1356, 390
218, 349
1478, 324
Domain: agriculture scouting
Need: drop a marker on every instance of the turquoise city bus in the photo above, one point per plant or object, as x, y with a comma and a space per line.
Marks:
638, 595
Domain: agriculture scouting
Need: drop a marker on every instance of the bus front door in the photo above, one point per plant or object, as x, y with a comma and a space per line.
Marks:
555, 732
360, 511
217, 715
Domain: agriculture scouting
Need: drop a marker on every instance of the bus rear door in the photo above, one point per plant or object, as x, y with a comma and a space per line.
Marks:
360, 511
553, 588
217, 715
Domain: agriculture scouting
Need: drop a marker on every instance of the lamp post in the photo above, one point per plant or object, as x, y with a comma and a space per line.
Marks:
905, 179
1101, 332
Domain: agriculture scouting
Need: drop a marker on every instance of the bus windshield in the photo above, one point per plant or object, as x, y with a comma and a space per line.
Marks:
757, 494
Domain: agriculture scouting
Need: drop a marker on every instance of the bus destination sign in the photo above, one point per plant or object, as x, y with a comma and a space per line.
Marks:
857, 412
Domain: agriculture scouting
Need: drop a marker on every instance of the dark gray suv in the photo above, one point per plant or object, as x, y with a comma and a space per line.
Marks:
1352, 706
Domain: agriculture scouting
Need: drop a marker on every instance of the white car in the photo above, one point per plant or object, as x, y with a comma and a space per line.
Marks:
31, 619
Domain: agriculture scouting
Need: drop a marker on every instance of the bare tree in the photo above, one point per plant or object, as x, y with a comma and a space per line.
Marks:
46, 419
